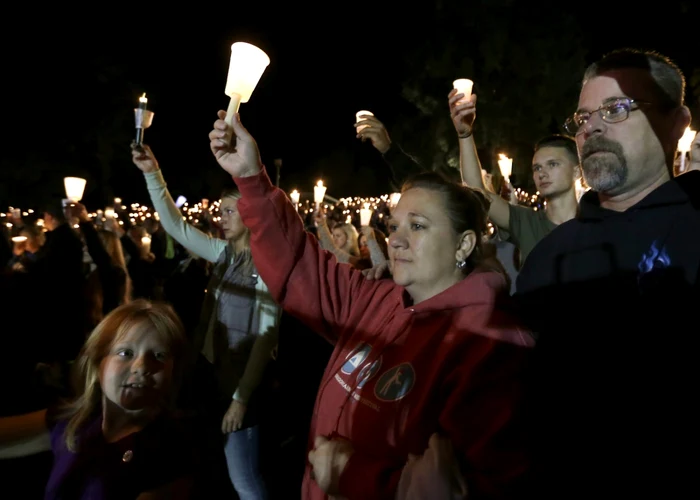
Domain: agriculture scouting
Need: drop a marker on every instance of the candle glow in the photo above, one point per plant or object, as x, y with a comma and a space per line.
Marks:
365, 215
319, 192
246, 66
505, 164
463, 86
358, 119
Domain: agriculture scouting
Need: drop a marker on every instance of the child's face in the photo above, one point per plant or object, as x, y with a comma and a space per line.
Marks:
137, 372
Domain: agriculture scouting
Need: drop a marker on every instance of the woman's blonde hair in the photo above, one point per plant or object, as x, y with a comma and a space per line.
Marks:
159, 317
351, 237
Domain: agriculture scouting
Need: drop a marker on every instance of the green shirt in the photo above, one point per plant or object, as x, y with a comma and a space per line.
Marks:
527, 227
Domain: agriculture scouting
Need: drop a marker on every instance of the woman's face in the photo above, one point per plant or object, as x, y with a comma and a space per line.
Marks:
231, 221
364, 249
422, 244
339, 238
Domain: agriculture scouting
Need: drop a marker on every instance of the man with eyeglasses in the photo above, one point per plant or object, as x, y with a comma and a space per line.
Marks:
614, 296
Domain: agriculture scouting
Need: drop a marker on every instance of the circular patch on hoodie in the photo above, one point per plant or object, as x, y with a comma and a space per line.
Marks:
356, 357
395, 383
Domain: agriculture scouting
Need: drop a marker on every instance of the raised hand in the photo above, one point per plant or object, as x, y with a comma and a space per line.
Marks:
463, 114
374, 131
234, 147
143, 158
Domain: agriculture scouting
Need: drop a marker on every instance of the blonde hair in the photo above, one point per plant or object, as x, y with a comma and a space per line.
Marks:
351, 237
160, 317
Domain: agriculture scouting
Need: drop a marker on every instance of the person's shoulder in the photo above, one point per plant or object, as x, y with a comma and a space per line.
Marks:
690, 184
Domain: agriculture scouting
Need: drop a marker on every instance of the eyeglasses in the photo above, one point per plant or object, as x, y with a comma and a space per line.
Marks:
615, 111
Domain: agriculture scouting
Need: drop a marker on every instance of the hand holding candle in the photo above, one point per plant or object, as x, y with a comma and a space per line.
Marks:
358, 119
463, 86
505, 164
246, 66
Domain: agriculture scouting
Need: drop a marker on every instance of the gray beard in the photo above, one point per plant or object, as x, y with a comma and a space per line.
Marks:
605, 173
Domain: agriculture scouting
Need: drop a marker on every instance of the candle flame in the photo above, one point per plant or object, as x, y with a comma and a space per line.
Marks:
685, 142
319, 183
143, 98
501, 156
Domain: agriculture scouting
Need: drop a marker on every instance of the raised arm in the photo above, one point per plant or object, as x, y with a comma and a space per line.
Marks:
463, 117
187, 235
307, 281
401, 164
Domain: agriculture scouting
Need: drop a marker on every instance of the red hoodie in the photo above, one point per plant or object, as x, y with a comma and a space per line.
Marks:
451, 364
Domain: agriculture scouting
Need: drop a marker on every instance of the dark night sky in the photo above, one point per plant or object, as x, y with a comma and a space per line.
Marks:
325, 66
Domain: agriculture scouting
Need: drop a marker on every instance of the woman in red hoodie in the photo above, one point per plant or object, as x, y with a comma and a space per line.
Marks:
433, 351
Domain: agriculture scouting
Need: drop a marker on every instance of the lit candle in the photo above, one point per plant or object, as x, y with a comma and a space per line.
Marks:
205, 203
245, 68
505, 164
358, 119
319, 193
463, 86
394, 199
146, 242
684, 145
143, 118
109, 213
75, 186
294, 195
19, 239
365, 215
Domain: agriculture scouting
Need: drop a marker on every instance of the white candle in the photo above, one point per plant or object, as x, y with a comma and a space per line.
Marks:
686, 141
245, 68
294, 195
75, 186
463, 86
19, 239
505, 164
358, 119
365, 215
146, 242
394, 199
319, 192
684, 145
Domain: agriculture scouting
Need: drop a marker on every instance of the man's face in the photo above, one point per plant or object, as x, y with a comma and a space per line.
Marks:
630, 154
554, 171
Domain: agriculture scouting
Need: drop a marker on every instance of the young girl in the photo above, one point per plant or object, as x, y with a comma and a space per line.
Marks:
118, 438
238, 326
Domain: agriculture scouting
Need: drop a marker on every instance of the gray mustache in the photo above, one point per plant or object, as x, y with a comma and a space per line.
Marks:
598, 146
